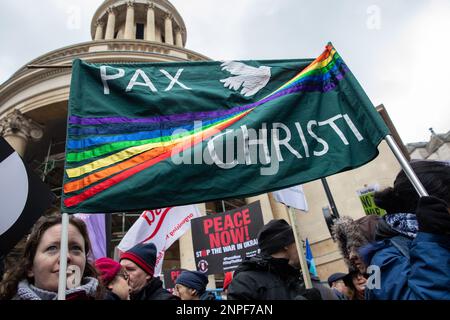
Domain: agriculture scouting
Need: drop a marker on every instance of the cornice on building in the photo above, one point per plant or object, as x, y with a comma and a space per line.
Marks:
105, 51
435, 142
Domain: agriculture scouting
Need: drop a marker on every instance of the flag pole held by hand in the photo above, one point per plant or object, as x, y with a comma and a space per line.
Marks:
63, 257
406, 166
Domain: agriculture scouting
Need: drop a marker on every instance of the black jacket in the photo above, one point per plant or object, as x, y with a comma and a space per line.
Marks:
154, 291
266, 278
207, 296
109, 295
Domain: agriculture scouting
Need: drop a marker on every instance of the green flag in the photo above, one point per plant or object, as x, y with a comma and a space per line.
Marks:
144, 136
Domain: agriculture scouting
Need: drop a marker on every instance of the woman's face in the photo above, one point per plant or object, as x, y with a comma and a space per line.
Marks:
45, 268
359, 282
120, 286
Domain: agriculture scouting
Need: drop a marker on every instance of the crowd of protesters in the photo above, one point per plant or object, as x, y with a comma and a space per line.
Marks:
409, 247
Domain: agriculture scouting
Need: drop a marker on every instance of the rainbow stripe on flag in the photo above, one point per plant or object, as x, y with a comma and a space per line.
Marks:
103, 152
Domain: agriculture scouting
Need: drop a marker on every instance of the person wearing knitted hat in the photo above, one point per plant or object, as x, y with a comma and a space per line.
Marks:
114, 278
274, 274
191, 285
139, 263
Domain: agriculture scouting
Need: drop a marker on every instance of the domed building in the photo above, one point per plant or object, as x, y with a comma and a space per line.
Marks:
33, 115
33, 102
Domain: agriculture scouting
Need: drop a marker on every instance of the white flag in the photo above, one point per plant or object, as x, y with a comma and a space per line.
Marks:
161, 227
293, 197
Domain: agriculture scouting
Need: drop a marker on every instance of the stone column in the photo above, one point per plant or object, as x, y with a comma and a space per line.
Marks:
150, 35
18, 129
99, 30
111, 25
129, 22
265, 206
179, 38
168, 29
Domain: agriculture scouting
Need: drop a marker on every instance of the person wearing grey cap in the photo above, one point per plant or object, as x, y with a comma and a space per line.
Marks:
337, 284
274, 274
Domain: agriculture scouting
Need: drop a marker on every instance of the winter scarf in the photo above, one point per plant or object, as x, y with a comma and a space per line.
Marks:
404, 223
27, 291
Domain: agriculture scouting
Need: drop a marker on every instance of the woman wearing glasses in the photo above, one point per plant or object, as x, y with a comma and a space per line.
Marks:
114, 278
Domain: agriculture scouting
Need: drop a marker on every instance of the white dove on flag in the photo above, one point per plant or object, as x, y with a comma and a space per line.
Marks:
250, 78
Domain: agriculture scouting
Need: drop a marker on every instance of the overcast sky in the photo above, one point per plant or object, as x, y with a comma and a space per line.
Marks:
396, 49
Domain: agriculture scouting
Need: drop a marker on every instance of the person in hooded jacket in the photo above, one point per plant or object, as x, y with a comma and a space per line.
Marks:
408, 248
274, 274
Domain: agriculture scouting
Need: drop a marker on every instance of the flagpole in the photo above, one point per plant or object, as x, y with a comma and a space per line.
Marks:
223, 206
406, 166
63, 257
301, 252
330, 198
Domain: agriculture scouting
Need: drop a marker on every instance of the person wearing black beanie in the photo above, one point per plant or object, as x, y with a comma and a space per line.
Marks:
274, 274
